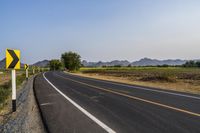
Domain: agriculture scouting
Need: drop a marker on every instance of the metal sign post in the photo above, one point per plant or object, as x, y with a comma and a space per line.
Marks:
26, 74
13, 90
13, 63
33, 70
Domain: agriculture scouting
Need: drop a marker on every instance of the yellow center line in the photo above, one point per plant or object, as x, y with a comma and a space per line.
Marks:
136, 98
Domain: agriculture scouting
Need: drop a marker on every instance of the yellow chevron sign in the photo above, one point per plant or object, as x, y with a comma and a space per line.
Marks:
12, 59
26, 66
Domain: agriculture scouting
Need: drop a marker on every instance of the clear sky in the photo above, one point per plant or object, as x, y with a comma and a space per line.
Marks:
101, 29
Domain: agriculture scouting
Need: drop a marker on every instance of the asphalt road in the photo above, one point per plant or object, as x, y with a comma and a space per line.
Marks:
74, 104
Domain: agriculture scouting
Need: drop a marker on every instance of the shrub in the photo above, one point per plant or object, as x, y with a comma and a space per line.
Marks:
55, 64
71, 60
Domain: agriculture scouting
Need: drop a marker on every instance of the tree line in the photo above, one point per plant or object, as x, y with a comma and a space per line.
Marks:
192, 64
71, 61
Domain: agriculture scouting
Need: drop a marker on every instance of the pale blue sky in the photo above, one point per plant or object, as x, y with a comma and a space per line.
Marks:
101, 29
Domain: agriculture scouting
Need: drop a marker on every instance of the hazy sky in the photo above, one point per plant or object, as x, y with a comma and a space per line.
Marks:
101, 29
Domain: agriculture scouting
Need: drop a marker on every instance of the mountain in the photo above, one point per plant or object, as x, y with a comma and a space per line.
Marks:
100, 63
3, 63
142, 62
155, 62
43, 63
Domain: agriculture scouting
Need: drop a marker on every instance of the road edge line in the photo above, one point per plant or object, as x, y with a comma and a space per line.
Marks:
101, 124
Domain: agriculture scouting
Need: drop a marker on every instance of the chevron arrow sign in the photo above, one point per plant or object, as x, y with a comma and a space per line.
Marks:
12, 59
26, 66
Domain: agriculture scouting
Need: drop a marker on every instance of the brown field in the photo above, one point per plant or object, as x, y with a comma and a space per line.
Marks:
170, 78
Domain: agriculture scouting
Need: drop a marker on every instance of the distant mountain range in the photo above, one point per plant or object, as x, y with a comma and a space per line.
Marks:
3, 62
142, 62
43, 63
100, 63
155, 62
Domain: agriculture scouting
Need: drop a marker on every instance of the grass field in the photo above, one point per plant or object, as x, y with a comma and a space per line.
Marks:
4, 77
5, 85
173, 78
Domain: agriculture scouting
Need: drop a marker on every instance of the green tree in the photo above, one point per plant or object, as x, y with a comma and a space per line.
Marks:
71, 60
129, 65
190, 64
55, 64
198, 63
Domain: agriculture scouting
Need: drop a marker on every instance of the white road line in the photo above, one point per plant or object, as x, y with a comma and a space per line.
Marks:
142, 88
45, 104
101, 124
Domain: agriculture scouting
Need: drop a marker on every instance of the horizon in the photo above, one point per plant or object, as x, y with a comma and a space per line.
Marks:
112, 60
101, 30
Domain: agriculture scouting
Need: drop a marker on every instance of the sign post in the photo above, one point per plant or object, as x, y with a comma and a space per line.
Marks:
33, 68
13, 90
13, 63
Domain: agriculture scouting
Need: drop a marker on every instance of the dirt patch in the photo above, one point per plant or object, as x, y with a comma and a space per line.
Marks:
187, 86
158, 78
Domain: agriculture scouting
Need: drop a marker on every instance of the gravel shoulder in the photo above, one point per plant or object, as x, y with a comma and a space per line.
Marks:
27, 118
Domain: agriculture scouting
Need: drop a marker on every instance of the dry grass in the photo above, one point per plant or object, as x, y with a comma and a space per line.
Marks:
4, 77
5, 88
172, 78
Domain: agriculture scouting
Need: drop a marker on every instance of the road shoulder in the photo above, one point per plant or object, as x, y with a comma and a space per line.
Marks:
27, 117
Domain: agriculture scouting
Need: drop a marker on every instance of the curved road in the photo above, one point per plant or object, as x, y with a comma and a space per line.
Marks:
75, 104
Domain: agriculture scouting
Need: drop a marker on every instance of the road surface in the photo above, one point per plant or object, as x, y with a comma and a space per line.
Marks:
74, 104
